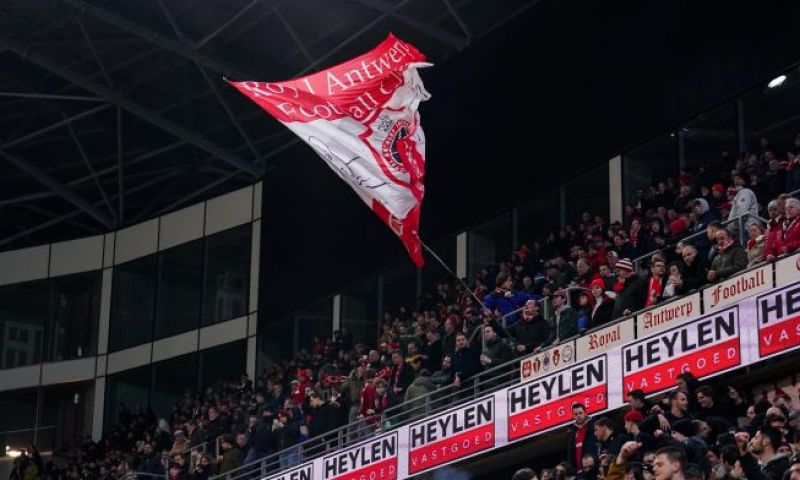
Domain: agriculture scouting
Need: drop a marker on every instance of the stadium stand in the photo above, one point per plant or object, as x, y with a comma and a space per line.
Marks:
579, 278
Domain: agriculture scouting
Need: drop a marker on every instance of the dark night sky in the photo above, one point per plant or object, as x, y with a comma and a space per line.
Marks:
563, 87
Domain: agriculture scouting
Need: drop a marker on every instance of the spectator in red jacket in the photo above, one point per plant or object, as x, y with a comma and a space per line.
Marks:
786, 237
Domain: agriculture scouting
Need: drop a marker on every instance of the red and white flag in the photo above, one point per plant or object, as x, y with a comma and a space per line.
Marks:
361, 118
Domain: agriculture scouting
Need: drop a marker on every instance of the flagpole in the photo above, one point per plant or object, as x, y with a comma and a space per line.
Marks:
459, 280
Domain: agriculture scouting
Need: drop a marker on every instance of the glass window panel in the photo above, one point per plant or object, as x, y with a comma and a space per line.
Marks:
642, 166
65, 417
314, 321
360, 312
587, 192
180, 286
772, 113
74, 316
487, 243
539, 216
17, 418
224, 363
133, 302
400, 284
129, 390
23, 317
171, 380
276, 341
227, 276
703, 140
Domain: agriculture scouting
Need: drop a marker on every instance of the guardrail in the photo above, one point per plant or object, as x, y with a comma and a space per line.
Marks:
443, 398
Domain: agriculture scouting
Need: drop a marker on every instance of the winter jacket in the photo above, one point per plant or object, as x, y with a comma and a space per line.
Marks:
784, 238
771, 470
532, 333
499, 351
465, 363
420, 387
729, 261
755, 251
693, 276
743, 203
566, 325
601, 314
632, 296
231, 459
589, 441
497, 300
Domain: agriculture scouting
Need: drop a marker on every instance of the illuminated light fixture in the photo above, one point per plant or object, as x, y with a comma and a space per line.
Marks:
777, 81
12, 453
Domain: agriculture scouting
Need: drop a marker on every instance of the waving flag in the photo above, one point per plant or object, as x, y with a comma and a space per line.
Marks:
361, 118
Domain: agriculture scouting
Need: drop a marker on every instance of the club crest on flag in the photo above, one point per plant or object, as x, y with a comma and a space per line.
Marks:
361, 118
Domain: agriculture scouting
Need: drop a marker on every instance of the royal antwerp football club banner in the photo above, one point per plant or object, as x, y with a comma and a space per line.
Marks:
546, 361
737, 288
544, 403
452, 435
704, 347
361, 118
669, 314
778, 320
303, 472
375, 459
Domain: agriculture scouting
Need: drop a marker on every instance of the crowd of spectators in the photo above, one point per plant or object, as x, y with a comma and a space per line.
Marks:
693, 433
523, 305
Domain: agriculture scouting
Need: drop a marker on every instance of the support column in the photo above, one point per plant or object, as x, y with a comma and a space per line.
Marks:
461, 255
252, 354
615, 207
98, 408
337, 313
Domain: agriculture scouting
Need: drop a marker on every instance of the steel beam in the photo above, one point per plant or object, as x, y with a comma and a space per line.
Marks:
46, 96
333, 51
461, 23
54, 126
94, 52
128, 105
166, 43
293, 34
89, 167
439, 34
75, 213
199, 44
45, 179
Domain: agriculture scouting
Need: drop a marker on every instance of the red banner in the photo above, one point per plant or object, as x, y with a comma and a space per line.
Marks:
703, 347
451, 435
546, 402
361, 118
778, 321
375, 459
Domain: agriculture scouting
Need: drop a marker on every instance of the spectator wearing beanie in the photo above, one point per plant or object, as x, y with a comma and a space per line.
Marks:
631, 290
632, 419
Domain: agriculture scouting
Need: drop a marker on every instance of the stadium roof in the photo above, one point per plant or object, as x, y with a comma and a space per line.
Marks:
115, 111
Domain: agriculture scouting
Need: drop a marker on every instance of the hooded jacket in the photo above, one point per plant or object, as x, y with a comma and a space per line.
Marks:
743, 203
